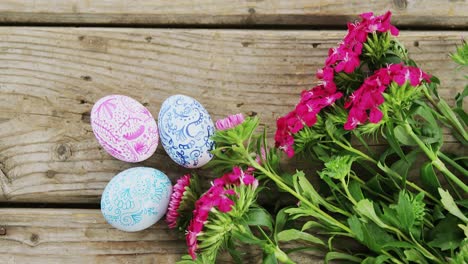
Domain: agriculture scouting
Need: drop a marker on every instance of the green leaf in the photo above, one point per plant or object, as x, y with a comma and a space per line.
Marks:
355, 190
405, 212
260, 217
429, 179
312, 224
294, 234
389, 133
369, 234
450, 115
462, 114
414, 255
281, 218
398, 244
445, 235
366, 208
270, 259
460, 96
462, 256
403, 137
450, 205
378, 260
356, 226
338, 167
246, 238
403, 166
341, 256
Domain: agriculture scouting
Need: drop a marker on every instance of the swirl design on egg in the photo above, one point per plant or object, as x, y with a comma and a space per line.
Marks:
136, 198
124, 128
185, 128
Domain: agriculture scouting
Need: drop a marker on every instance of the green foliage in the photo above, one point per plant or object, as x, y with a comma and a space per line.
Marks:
359, 194
461, 55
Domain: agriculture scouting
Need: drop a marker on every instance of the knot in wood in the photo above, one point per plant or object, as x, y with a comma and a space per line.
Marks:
34, 238
62, 151
2, 231
400, 4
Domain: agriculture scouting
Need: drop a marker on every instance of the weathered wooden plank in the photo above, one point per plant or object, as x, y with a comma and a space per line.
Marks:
50, 78
433, 13
82, 236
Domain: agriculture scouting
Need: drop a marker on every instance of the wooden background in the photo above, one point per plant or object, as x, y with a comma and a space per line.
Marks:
252, 56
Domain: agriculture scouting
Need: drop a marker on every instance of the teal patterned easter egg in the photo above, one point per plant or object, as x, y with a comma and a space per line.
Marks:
185, 129
136, 198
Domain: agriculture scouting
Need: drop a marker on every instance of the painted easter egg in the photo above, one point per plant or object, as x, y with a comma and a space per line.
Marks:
124, 128
136, 198
185, 128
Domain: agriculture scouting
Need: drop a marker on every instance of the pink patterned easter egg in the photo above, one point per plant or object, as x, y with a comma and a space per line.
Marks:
124, 128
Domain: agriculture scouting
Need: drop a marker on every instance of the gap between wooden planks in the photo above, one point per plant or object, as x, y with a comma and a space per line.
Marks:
414, 13
50, 78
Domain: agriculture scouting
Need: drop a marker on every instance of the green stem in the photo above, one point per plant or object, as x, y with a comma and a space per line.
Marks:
279, 254
389, 171
350, 197
391, 257
462, 133
453, 163
285, 187
434, 158
365, 187
412, 240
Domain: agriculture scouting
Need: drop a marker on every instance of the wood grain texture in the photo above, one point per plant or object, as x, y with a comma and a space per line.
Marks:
412, 13
50, 78
56, 236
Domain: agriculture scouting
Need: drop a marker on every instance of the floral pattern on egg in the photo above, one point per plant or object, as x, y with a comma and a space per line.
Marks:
124, 128
136, 198
185, 128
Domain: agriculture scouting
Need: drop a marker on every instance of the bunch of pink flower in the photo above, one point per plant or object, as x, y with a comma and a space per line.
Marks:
230, 122
363, 102
216, 197
369, 96
176, 198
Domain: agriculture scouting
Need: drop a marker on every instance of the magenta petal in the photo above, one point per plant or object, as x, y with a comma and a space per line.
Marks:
375, 115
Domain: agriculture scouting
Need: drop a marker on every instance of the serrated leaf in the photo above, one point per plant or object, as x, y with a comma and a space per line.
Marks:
341, 256
405, 212
450, 205
294, 234
445, 235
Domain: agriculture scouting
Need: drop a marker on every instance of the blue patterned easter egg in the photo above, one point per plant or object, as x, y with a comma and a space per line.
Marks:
136, 198
185, 129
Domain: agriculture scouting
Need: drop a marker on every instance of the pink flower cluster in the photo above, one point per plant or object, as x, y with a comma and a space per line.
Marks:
364, 102
217, 196
346, 56
305, 113
343, 58
176, 198
229, 122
